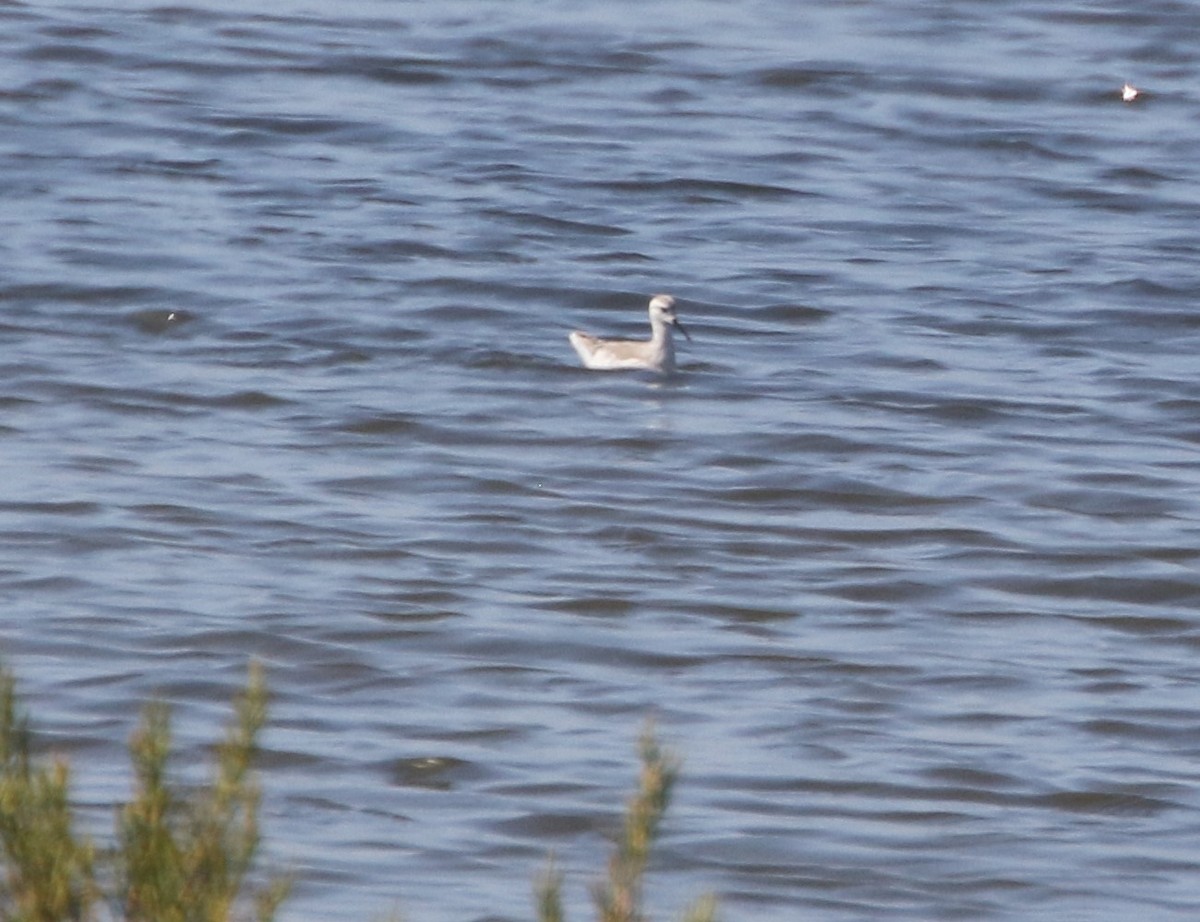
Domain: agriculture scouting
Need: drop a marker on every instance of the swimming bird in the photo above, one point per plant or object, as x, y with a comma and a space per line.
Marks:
655, 354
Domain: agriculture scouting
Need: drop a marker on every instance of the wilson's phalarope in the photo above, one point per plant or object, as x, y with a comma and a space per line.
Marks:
655, 354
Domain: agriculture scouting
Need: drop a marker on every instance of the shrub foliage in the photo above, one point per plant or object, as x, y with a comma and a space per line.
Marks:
187, 855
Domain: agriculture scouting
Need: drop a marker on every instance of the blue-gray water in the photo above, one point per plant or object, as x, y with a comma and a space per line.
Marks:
905, 561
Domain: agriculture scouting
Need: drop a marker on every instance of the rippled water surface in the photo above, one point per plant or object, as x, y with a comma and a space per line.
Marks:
905, 560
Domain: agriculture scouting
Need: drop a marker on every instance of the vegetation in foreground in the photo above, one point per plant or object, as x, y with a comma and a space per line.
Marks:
179, 856
187, 855
618, 898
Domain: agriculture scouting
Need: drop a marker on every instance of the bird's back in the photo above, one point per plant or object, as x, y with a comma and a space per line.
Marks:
613, 354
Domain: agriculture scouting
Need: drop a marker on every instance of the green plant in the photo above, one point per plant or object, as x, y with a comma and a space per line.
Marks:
180, 857
187, 856
186, 860
49, 871
618, 897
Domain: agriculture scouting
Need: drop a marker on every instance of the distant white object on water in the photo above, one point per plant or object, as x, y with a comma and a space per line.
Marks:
655, 354
1129, 92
